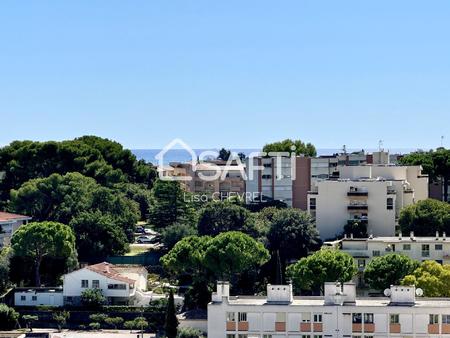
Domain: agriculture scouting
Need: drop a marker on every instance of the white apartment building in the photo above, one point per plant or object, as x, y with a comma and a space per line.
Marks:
339, 313
9, 223
363, 250
372, 194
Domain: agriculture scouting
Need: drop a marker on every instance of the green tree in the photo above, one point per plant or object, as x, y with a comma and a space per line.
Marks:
61, 319
138, 193
224, 154
168, 205
432, 277
114, 322
92, 298
42, 239
234, 252
217, 217
387, 270
171, 322
425, 217
98, 235
94, 326
291, 235
434, 163
310, 273
29, 320
176, 232
98, 317
288, 145
8, 317
5, 255
189, 332
356, 228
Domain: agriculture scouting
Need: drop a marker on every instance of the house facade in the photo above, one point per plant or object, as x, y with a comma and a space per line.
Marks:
118, 284
339, 313
9, 223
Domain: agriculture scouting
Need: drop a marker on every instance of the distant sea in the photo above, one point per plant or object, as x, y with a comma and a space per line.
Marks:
180, 155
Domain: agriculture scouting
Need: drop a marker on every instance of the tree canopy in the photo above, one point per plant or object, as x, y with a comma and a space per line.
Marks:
40, 239
326, 265
435, 163
432, 277
291, 146
104, 160
425, 217
387, 270
217, 217
169, 206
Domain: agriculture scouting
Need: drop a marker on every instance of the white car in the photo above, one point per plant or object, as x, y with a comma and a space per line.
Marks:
145, 239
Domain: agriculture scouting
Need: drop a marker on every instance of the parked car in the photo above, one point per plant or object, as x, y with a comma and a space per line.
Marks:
146, 239
140, 230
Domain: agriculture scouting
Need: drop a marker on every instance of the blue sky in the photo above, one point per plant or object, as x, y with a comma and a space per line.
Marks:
227, 73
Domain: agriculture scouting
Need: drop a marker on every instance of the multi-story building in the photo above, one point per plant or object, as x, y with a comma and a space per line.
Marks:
222, 179
371, 194
339, 313
9, 223
363, 250
285, 179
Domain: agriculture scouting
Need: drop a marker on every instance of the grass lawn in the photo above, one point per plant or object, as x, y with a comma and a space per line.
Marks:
137, 250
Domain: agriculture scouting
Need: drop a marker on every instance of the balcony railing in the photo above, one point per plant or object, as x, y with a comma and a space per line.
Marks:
357, 193
358, 207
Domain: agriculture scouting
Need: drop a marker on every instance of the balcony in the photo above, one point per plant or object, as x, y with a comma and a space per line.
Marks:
242, 326
231, 326
445, 328
358, 220
369, 327
305, 327
358, 207
317, 327
357, 193
280, 326
433, 328
394, 328
356, 327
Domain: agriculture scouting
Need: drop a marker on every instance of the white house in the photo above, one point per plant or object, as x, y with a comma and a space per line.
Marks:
118, 284
38, 297
339, 313
9, 223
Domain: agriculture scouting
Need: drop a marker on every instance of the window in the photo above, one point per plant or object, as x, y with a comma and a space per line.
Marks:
361, 263
406, 247
280, 317
34, 298
438, 247
306, 317
23, 298
242, 336
312, 204
389, 203
425, 250
394, 319
84, 283
306, 336
368, 318
357, 318
267, 165
95, 284
267, 336
368, 336
317, 336
376, 253
266, 177
231, 336
434, 319
445, 319
317, 318
117, 286
231, 317
242, 316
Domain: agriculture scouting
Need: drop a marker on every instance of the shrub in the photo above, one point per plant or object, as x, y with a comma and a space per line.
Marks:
189, 332
92, 298
94, 326
115, 322
8, 317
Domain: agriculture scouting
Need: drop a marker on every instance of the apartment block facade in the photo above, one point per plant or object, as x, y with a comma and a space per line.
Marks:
339, 313
286, 179
9, 223
371, 194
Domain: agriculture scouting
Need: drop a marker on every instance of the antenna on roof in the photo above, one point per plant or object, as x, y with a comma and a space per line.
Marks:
380, 145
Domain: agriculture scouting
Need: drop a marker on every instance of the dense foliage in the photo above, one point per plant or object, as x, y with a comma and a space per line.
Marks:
432, 277
41, 239
171, 320
425, 218
310, 273
291, 146
8, 317
104, 160
435, 163
384, 271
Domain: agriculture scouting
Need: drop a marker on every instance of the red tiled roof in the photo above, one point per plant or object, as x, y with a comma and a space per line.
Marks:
108, 270
6, 216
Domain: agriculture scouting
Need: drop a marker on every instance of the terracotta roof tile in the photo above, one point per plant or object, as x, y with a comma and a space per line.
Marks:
6, 216
108, 270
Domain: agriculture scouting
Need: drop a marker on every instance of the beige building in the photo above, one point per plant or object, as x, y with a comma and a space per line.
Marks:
339, 313
215, 178
363, 250
9, 223
372, 194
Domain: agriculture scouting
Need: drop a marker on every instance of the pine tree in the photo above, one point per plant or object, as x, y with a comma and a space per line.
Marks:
171, 324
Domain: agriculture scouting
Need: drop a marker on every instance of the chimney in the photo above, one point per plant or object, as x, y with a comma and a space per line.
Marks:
437, 234
444, 235
223, 291
411, 234
403, 294
400, 235
280, 293
339, 294
345, 235
351, 235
